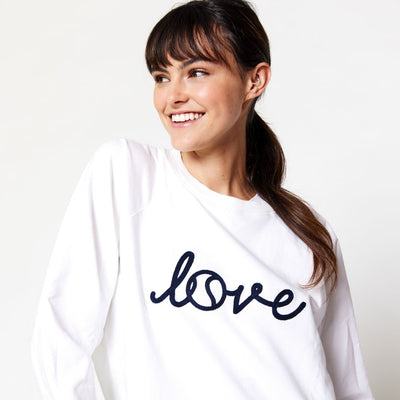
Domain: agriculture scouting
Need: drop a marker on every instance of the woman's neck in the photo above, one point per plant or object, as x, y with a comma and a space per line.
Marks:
223, 172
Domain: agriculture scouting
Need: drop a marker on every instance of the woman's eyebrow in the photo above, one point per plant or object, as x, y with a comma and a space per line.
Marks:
158, 69
183, 65
194, 60
189, 62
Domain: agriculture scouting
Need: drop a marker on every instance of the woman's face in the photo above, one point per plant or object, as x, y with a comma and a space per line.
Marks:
203, 105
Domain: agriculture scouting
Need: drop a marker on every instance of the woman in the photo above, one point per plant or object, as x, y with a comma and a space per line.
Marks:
202, 276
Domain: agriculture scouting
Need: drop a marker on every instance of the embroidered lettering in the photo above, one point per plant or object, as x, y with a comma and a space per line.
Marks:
283, 298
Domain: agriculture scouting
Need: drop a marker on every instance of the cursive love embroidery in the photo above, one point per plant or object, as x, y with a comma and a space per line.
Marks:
282, 299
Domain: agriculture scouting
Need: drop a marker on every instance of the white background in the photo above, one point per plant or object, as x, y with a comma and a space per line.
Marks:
72, 75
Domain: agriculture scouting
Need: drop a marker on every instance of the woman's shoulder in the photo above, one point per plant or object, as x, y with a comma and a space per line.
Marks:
119, 149
124, 156
131, 170
326, 224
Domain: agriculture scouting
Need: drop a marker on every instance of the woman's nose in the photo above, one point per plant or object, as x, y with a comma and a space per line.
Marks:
177, 92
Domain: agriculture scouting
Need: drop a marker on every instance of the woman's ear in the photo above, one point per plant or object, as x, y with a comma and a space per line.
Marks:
257, 80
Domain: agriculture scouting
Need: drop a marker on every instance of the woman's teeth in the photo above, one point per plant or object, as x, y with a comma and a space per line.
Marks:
185, 117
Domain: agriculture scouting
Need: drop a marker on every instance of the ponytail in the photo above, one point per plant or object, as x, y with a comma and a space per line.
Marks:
265, 164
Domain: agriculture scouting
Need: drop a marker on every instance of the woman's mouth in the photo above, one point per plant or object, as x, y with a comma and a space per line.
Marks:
185, 117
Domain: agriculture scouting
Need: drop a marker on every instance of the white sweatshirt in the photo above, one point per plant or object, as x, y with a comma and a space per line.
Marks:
194, 295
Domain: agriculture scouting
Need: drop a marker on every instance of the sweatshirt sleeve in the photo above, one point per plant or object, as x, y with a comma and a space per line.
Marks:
340, 340
79, 285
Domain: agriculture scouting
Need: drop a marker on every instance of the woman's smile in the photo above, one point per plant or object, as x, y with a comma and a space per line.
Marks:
185, 118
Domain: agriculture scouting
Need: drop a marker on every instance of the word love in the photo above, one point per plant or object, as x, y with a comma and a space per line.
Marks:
283, 298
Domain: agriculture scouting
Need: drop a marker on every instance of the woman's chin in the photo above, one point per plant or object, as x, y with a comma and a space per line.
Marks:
184, 146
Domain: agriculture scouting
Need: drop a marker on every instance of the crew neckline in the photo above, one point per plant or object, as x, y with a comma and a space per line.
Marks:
204, 193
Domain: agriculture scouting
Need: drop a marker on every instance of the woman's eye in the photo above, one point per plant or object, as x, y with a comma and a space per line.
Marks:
196, 73
160, 79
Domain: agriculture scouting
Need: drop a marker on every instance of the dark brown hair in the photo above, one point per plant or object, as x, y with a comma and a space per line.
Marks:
207, 29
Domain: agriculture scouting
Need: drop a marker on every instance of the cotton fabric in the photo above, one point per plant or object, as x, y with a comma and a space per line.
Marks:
192, 294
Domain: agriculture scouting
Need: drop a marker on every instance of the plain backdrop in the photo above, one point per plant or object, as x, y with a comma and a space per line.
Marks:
72, 75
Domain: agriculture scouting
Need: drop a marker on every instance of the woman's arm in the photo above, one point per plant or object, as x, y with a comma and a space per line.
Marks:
79, 286
340, 340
